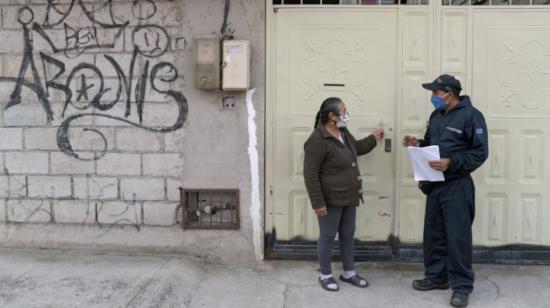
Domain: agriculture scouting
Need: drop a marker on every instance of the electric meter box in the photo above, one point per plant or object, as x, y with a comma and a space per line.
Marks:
206, 61
236, 65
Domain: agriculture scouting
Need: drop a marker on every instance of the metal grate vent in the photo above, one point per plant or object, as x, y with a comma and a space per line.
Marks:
210, 209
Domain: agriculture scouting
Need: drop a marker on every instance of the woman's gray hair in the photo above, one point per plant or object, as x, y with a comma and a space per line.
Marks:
329, 105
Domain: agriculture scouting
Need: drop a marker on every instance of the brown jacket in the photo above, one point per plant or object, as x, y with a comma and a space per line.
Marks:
331, 172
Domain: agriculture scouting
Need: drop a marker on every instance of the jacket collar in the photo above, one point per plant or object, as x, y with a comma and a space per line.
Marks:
464, 101
323, 131
321, 128
325, 134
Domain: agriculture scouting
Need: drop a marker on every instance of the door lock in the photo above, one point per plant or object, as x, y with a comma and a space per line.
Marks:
387, 145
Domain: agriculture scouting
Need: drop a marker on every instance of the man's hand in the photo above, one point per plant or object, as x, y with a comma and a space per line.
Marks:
321, 211
379, 134
410, 141
440, 165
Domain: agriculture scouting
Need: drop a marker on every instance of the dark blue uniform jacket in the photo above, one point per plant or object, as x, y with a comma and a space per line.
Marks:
461, 135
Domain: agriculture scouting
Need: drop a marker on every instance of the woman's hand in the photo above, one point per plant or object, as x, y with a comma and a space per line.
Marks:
321, 211
379, 134
410, 141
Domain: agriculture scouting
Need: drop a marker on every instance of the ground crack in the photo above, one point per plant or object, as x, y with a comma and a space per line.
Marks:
203, 279
285, 295
495, 285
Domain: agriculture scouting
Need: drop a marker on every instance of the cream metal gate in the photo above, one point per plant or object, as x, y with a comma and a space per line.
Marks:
376, 57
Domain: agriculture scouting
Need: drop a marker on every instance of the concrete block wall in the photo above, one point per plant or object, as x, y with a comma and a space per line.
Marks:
75, 61
98, 132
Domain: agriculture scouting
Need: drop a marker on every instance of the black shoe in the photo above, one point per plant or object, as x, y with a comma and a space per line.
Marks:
428, 285
459, 300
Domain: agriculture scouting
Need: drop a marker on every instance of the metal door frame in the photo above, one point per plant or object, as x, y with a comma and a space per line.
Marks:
391, 250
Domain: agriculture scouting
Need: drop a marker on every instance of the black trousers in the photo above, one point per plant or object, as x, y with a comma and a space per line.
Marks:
450, 211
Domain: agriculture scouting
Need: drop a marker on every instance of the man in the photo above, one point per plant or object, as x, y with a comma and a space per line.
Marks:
460, 131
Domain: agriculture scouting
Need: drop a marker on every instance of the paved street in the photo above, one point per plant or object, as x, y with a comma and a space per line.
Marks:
52, 278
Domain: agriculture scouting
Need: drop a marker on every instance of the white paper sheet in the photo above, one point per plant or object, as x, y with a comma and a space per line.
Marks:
420, 158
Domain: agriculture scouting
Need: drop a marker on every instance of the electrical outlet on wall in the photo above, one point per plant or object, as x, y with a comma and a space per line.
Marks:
229, 102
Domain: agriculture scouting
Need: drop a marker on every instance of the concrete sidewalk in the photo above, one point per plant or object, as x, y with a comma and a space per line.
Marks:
51, 278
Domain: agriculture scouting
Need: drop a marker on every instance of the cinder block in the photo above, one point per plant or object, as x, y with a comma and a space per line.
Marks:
41, 138
119, 164
166, 14
11, 68
74, 212
173, 189
118, 111
11, 138
10, 14
113, 37
146, 189
164, 114
3, 210
58, 108
27, 162
92, 187
78, 18
162, 164
159, 213
62, 163
1, 70
16, 1
6, 88
87, 140
29, 211
123, 12
57, 37
134, 139
179, 215
108, 69
49, 186
15, 39
116, 212
154, 97
13, 186
27, 113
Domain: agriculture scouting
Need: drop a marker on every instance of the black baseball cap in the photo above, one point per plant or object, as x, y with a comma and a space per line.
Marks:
444, 82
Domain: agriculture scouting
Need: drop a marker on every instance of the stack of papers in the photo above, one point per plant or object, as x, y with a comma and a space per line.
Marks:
420, 159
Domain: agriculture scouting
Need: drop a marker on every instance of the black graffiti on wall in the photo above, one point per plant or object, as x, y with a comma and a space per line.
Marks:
86, 88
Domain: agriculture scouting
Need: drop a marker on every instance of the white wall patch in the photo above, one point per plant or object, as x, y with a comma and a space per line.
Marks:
255, 207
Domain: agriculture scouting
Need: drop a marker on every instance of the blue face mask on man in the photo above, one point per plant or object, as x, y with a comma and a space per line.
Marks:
438, 102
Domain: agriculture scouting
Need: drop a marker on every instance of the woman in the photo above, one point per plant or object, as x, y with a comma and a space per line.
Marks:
334, 187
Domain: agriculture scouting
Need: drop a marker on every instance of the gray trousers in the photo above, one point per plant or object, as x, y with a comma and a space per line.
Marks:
341, 220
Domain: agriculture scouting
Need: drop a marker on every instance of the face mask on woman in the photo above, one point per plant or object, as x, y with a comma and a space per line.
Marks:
343, 120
